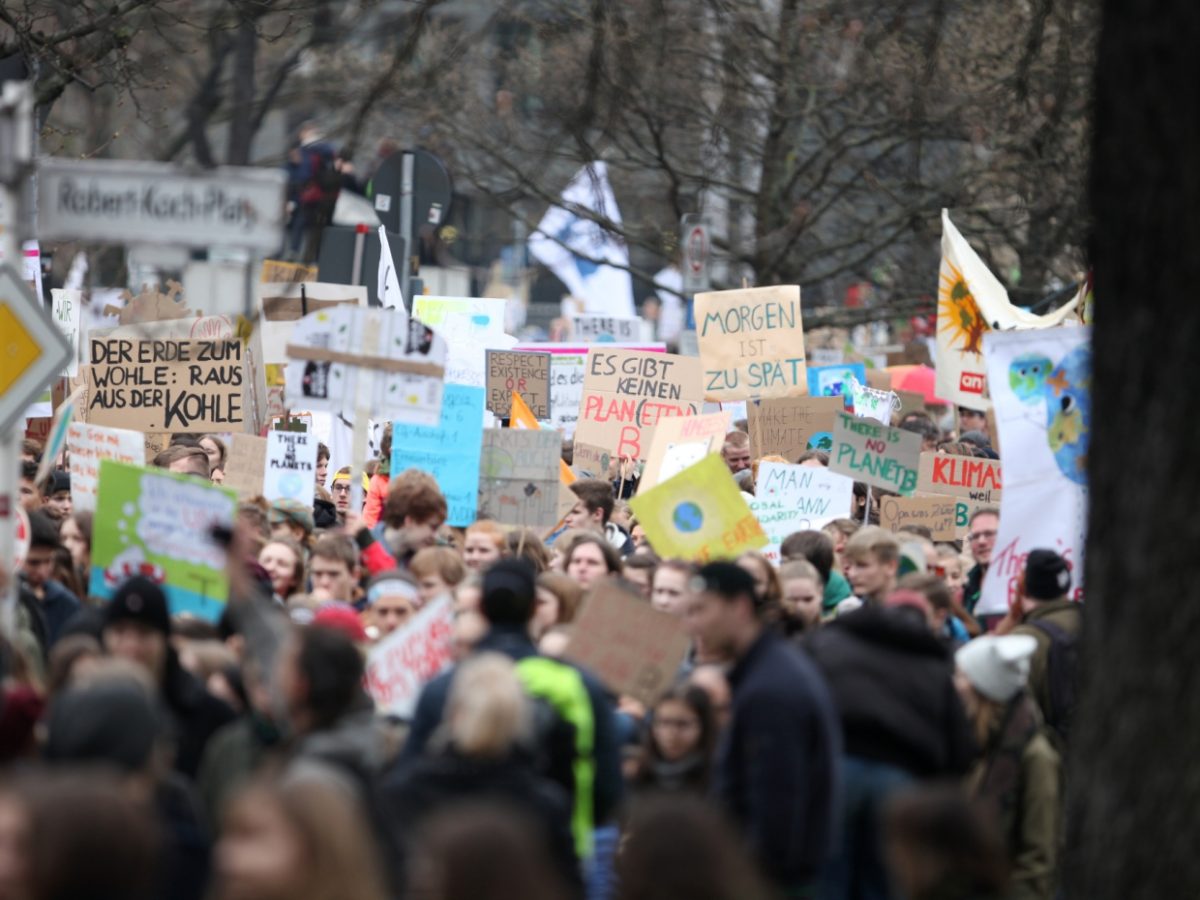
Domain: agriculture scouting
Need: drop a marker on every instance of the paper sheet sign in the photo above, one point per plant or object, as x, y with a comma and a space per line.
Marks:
156, 523
291, 466
66, 308
282, 304
513, 371
751, 343
960, 476
682, 441
627, 392
448, 451
834, 381
876, 454
791, 427
698, 514
938, 514
634, 649
400, 665
790, 498
87, 445
519, 477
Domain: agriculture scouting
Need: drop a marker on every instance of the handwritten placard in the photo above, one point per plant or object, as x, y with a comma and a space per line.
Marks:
681, 441
938, 514
633, 648
627, 392
960, 476
400, 665
790, 498
592, 328
166, 384
67, 305
751, 343
876, 454
291, 466
87, 445
792, 426
525, 373
519, 477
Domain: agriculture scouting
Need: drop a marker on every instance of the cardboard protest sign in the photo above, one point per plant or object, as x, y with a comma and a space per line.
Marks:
1041, 389
519, 477
291, 470
527, 374
910, 401
275, 270
606, 329
282, 304
155, 523
633, 648
593, 462
87, 445
681, 441
698, 514
876, 454
67, 306
790, 498
793, 426
166, 385
568, 362
872, 403
400, 665
751, 343
972, 302
938, 514
449, 451
960, 476
626, 393
834, 381
246, 465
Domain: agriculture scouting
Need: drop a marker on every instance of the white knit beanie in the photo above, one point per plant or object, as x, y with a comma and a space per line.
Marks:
997, 667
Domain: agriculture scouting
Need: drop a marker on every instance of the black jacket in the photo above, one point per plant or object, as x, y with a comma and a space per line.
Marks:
777, 764
892, 682
195, 713
442, 781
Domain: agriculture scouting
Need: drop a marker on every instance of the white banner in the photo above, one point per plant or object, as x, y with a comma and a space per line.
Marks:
1041, 386
400, 665
790, 498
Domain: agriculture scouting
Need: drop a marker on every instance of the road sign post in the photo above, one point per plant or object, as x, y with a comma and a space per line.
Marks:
694, 239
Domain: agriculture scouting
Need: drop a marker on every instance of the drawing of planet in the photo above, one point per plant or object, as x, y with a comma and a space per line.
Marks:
688, 517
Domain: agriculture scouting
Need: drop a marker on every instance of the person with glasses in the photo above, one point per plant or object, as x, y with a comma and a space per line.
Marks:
678, 746
981, 538
341, 491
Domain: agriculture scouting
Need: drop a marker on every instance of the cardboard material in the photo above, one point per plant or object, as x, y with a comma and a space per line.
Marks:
246, 465
157, 523
627, 392
876, 454
790, 427
938, 514
282, 304
634, 649
519, 477
87, 445
401, 664
680, 442
449, 451
960, 476
698, 514
751, 343
514, 371
291, 470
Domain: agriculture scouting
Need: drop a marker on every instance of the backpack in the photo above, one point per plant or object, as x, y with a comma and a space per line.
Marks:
323, 180
1061, 673
564, 730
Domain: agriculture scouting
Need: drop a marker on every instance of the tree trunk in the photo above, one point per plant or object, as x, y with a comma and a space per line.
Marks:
241, 122
1134, 791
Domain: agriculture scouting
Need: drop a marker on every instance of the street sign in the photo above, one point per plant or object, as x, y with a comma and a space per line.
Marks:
32, 349
121, 202
697, 253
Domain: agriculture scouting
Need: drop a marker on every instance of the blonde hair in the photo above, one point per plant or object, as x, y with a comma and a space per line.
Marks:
873, 540
487, 712
440, 561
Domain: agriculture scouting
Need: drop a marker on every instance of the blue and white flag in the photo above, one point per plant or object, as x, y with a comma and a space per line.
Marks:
575, 248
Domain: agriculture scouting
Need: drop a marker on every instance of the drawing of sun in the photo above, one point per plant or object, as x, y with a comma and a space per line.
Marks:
958, 316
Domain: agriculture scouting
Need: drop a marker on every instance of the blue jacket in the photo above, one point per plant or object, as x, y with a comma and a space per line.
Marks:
58, 606
516, 645
777, 763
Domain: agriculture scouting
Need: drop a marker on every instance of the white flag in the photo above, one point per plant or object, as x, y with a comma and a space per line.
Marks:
388, 286
576, 249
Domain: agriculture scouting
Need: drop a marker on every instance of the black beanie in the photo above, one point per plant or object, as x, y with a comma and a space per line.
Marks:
140, 600
509, 591
114, 721
1047, 576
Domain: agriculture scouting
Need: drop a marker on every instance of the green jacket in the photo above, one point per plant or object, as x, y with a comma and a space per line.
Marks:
837, 589
1066, 615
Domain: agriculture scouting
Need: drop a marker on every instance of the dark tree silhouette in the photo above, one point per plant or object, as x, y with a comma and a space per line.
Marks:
1134, 773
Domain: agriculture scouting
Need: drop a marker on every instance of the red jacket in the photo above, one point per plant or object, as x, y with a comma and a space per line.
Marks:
376, 495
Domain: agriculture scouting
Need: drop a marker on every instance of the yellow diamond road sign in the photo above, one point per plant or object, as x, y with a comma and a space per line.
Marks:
32, 349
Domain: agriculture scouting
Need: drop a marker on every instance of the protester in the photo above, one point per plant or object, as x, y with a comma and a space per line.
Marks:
872, 560
1018, 776
766, 584
57, 503
412, 513
672, 586
438, 571
75, 534
840, 531
527, 544
484, 545
214, 449
817, 547
802, 590
736, 451
558, 601
777, 770
333, 569
377, 488
283, 559
639, 568
981, 539
28, 488
593, 510
321, 473
55, 603
678, 746
184, 460
392, 600
340, 489
589, 558
946, 617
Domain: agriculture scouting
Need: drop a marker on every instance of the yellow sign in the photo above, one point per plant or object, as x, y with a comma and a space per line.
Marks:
698, 514
18, 349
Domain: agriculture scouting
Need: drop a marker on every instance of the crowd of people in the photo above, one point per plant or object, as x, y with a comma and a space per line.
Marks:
842, 726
